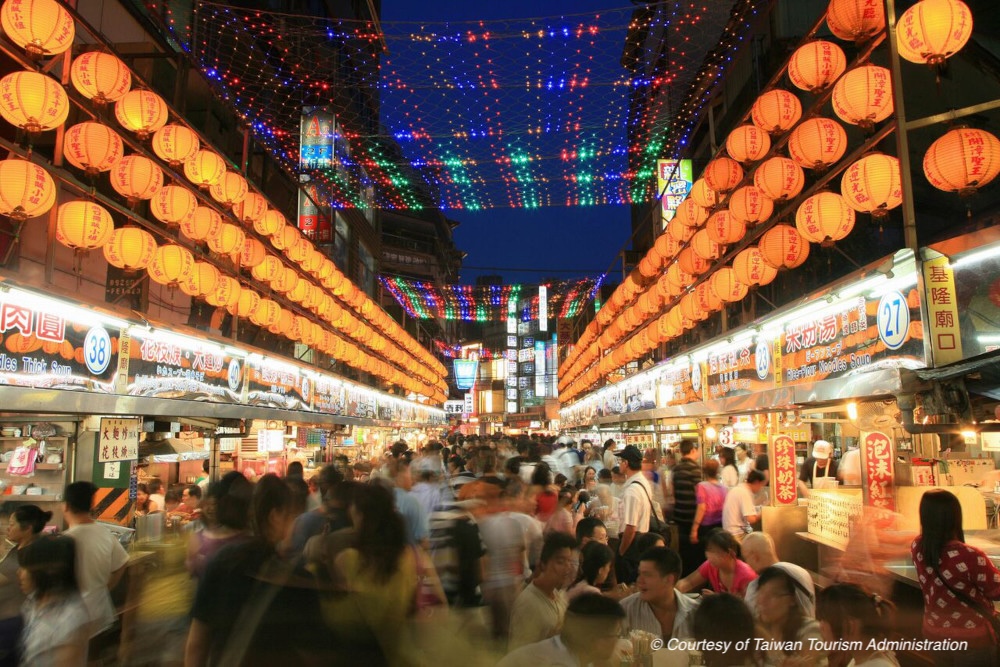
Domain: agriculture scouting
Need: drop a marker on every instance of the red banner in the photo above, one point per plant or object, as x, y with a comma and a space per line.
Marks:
784, 484
876, 456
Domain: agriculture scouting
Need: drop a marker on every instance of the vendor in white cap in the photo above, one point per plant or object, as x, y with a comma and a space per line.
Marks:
818, 466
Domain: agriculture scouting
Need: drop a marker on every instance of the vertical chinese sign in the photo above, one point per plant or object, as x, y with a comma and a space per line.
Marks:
117, 452
942, 310
877, 468
673, 182
784, 485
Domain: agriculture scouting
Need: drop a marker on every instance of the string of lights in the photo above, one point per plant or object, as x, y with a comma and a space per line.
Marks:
519, 113
489, 303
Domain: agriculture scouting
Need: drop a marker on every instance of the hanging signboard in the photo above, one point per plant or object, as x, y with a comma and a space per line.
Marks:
942, 310
859, 336
117, 452
677, 385
42, 347
274, 384
743, 368
360, 402
316, 134
182, 367
673, 182
784, 483
877, 467
328, 395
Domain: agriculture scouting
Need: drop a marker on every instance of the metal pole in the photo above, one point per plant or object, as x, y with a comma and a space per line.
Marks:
902, 136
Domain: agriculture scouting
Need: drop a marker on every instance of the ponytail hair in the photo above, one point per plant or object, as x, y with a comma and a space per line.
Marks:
32, 516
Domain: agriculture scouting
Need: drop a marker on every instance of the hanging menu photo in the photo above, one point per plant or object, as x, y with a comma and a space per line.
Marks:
43, 348
277, 385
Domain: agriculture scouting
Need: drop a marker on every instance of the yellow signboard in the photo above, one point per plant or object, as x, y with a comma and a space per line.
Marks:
942, 310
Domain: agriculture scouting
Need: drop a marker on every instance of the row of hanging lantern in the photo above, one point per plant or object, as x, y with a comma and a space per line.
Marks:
960, 161
34, 102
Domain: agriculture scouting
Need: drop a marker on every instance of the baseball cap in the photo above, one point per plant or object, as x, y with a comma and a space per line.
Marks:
631, 454
822, 449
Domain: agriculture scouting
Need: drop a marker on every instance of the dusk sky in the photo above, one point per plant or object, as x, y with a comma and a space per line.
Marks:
567, 242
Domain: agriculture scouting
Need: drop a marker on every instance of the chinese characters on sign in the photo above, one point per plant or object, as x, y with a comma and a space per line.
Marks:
877, 464
118, 440
942, 310
784, 484
831, 512
673, 182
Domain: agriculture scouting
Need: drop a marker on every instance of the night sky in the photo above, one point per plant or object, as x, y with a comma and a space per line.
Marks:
584, 240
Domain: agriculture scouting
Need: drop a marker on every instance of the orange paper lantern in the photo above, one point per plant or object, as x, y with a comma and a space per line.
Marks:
26, 189
173, 204
252, 253
855, 20
751, 269
724, 229
863, 96
708, 301
287, 239
136, 177
205, 169
816, 65
690, 214
266, 313
100, 77
680, 233
245, 304
251, 209
872, 185
691, 262
783, 247
40, 27
175, 144
824, 218
749, 205
202, 225
776, 111
83, 225
817, 143
667, 246
285, 281
130, 248
691, 309
748, 143
299, 251
226, 293
779, 179
228, 240
142, 112
270, 224
268, 270
931, 31
727, 286
678, 279
963, 160
92, 147
702, 195
705, 247
170, 265
201, 281
32, 101
230, 190
723, 174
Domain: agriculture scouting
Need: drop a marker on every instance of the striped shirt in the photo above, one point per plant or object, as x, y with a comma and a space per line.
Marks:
686, 475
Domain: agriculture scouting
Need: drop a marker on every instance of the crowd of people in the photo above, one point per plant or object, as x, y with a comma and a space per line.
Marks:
526, 552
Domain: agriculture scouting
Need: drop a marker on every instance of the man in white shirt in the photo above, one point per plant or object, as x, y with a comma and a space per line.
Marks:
739, 512
538, 611
659, 608
759, 553
636, 510
100, 558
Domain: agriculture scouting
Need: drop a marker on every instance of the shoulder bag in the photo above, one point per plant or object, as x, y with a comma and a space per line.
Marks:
656, 522
984, 610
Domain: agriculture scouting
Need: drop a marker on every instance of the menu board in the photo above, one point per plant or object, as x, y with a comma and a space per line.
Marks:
640, 440
360, 403
328, 396
277, 385
40, 347
744, 368
171, 369
831, 513
861, 336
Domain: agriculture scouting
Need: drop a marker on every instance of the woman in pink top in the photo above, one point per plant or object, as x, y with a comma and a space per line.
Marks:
723, 572
710, 495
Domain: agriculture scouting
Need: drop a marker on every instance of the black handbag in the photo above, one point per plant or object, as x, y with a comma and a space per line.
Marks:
656, 522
